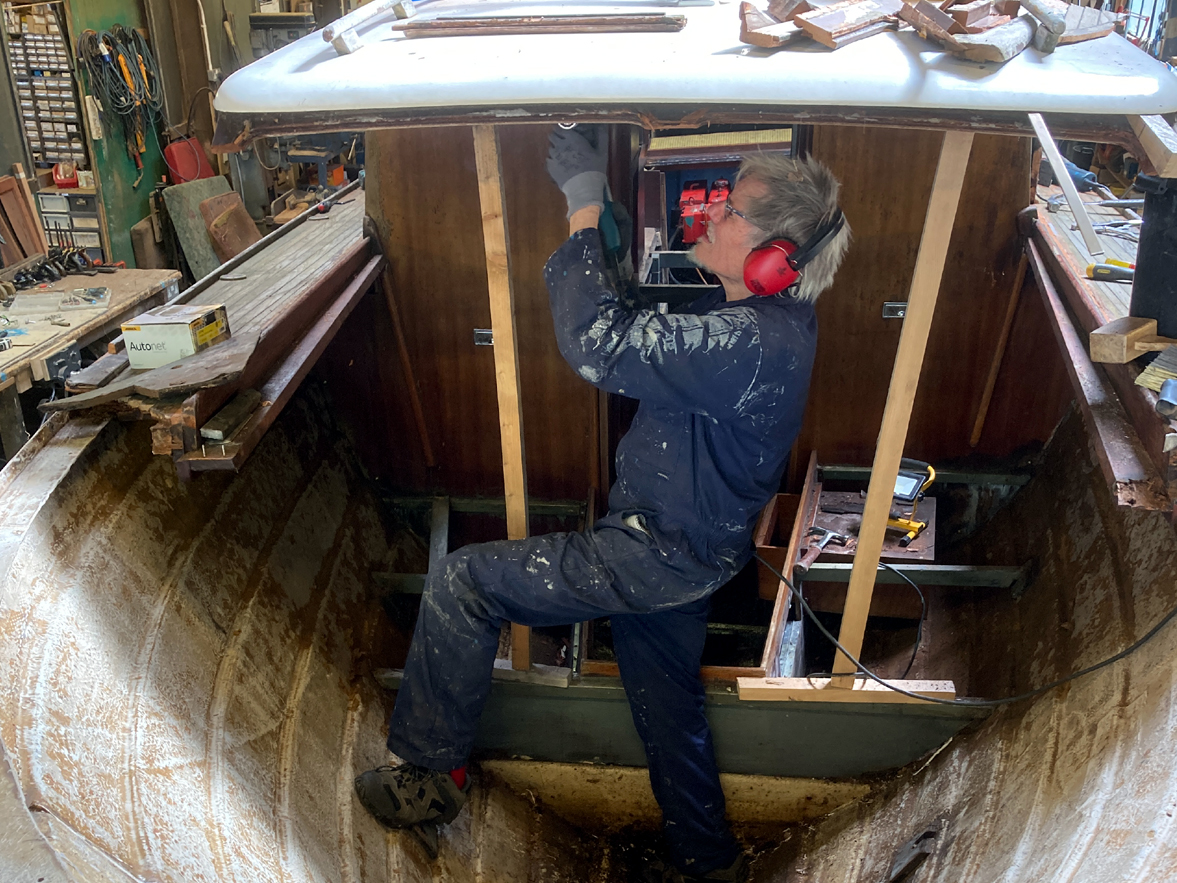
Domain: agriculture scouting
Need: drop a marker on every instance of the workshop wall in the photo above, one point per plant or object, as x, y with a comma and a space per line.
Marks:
124, 202
430, 223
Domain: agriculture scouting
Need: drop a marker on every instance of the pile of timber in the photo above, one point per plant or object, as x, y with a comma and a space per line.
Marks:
285, 302
978, 30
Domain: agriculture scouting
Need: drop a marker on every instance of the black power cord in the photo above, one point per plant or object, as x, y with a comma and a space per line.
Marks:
981, 703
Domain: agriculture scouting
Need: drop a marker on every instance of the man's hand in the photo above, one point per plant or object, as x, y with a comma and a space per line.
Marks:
578, 167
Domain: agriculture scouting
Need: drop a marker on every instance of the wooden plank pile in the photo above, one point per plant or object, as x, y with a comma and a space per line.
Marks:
977, 30
285, 304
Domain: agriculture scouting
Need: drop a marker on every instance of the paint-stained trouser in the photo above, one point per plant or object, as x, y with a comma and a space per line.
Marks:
658, 600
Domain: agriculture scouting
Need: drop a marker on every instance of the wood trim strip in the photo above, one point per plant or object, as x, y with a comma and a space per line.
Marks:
489, 162
283, 381
729, 673
780, 609
921, 304
1126, 465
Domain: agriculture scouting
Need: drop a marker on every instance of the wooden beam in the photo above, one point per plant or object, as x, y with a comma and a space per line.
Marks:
488, 160
861, 691
1159, 142
1127, 467
921, 304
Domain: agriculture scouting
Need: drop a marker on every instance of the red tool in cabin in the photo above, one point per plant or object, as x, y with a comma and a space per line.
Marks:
693, 205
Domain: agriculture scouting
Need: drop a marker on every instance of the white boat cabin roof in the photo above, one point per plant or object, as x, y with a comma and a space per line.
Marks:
702, 73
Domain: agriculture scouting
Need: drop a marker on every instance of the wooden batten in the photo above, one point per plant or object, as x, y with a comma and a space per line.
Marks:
506, 350
921, 305
825, 690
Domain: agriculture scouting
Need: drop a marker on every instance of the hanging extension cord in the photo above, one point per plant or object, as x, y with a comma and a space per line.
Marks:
981, 703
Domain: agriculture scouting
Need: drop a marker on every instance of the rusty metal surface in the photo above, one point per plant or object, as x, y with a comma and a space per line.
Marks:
1079, 785
182, 678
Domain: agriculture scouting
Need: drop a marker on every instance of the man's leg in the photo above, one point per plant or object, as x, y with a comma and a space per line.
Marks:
659, 655
546, 580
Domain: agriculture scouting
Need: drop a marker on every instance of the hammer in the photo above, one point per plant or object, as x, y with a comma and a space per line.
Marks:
825, 537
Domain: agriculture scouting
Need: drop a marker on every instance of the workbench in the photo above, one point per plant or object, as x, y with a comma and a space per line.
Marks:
36, 342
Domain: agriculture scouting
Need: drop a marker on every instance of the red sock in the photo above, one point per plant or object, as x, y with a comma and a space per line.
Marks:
459, 776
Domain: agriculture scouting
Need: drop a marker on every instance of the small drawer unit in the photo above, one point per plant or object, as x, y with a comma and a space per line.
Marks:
70, 218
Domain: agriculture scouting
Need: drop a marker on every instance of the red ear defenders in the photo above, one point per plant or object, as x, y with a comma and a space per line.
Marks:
776, 266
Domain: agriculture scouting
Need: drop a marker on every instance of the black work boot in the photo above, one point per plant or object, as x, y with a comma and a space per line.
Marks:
664, 872
407, 795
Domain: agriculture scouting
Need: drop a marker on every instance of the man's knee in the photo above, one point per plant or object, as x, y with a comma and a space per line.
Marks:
450, 588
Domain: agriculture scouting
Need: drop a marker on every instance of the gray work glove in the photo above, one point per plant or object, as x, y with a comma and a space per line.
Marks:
577, 167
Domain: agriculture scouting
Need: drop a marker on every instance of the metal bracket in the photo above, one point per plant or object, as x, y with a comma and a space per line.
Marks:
894, 309
484, 337
64, 363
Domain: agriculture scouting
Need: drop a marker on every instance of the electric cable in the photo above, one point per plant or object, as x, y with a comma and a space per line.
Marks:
124, 79
919, 628
980, 703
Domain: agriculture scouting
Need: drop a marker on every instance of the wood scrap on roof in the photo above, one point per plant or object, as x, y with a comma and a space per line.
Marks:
976, 30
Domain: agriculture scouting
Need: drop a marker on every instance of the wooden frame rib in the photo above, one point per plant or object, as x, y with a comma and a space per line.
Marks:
488, 161
917, 322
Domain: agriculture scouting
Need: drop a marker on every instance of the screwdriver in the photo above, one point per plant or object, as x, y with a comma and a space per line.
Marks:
1109, 273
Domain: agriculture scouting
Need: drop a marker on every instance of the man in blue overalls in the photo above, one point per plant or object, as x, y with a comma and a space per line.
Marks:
722, 388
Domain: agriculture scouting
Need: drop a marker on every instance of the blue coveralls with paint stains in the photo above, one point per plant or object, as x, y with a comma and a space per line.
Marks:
722, 390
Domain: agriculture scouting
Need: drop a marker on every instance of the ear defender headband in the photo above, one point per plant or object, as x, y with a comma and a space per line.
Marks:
776, 266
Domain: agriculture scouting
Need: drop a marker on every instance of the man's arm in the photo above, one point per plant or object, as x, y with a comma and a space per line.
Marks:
586, 218
706, 363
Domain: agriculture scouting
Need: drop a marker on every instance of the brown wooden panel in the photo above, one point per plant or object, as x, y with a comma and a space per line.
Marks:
422, 192
886, 177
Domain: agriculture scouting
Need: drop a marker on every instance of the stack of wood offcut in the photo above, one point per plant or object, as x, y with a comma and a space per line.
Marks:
978, 30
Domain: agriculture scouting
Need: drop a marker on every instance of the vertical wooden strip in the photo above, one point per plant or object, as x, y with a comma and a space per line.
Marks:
921, 304
1074, 200
488, 160
999, 354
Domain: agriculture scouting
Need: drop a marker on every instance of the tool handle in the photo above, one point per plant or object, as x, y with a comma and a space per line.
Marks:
806, 561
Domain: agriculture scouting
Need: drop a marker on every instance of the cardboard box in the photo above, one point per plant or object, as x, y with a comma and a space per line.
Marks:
166, 334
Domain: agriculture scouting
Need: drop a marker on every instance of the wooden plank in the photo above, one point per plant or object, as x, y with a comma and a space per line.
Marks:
101, 372
987, 23
488, 161
828, 24
824, 690
1157, 434
282, 383
970, 13
758, 29
1159, 142
997, 44
728, 673
18, 172
780, 610
929, 21
226, 421
921, 304
1130, 473
23, 223
1087, 23
999, 354
457, 26
278, 323
1050, 149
